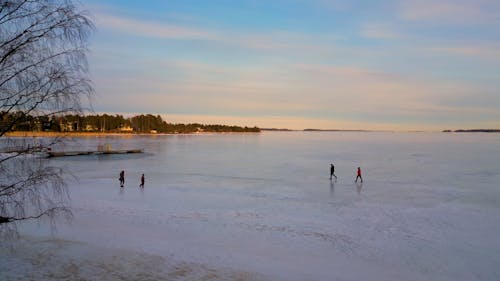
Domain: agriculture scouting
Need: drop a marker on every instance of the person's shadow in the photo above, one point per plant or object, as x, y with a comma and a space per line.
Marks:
359, 187
332, 188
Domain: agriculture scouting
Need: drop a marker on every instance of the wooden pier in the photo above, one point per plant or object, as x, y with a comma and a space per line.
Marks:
92, 152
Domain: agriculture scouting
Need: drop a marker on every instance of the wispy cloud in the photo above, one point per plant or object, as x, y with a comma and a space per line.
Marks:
452, 11
412, 72
151, 29
368, 91
269, 41
352, 72
304, 95
380, 31
483, 52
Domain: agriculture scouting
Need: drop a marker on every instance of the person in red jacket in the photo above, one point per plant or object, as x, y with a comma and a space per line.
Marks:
359, 175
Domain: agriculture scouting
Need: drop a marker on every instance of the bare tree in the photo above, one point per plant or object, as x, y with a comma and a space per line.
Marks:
43, 71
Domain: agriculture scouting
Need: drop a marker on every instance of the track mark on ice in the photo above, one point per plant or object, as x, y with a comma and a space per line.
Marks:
341, 242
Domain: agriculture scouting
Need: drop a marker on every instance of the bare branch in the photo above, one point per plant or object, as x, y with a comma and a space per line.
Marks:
48, 212
43, 73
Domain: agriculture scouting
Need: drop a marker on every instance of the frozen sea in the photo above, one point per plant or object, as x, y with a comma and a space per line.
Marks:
262, 207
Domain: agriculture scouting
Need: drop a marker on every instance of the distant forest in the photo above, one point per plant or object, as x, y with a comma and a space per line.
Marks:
108, 123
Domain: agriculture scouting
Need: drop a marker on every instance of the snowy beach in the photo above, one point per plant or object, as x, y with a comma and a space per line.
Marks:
262, 207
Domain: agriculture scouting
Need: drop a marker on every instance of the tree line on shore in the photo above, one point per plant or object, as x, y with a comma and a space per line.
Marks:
144, 123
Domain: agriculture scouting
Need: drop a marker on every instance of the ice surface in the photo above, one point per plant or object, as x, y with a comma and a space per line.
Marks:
261, 206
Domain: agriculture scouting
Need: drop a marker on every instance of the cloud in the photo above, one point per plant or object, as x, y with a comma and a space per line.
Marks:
372, 92
280, 41
451, 11
270, 42
276, 78
488, 53
380, 31
350, 71
151, 29
295, 96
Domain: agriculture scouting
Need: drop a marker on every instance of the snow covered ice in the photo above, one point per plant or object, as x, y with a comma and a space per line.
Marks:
262, 207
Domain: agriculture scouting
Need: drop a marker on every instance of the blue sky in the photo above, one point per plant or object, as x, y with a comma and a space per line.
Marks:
391, 65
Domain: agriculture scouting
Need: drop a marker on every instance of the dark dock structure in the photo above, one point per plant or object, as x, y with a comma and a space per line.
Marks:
92, 152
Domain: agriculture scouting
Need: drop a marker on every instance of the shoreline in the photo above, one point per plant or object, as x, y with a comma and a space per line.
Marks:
29, 134
63, 134
26, 134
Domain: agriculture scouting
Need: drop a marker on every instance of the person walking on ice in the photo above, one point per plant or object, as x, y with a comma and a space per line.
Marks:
142, 181
122, 178
332, 172
359, 175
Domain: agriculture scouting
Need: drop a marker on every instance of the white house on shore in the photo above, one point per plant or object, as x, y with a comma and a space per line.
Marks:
126, 129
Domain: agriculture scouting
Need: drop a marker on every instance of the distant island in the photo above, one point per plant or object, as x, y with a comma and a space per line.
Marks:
277, 129
473, 131
139, 124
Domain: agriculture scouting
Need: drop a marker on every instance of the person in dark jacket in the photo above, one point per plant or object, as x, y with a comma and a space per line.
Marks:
142, 181
122, 178
332, 172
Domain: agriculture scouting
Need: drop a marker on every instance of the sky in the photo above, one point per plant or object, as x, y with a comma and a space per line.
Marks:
375, 65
